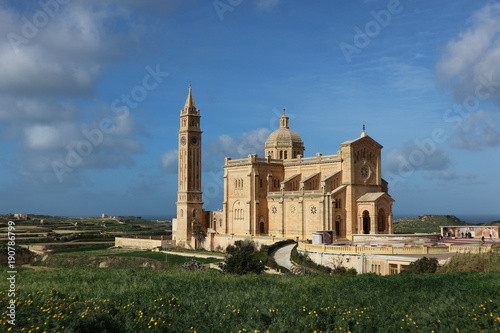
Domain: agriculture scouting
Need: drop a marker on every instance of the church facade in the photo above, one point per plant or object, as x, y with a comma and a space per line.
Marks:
284, 194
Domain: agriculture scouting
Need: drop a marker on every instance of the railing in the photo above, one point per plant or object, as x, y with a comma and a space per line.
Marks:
156, 237
313, 159
254, 159
394, 250
251, 159
470, 249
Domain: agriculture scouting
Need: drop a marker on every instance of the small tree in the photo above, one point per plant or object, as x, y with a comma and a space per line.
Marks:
242, 258
423, 265
199, 234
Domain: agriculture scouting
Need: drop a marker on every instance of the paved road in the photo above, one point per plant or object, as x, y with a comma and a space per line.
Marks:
282, 256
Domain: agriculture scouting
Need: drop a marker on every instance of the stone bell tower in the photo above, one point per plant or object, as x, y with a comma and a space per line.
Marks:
189, 195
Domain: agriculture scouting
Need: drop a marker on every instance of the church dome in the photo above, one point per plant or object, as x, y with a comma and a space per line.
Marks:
284, 137
284, 143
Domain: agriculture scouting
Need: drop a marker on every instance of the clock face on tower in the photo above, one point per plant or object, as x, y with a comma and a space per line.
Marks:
364, 172
194, 140
183, 140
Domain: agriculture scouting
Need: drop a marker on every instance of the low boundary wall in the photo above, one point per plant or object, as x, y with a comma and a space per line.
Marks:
381, 260
219, 242
144, 242
394, 250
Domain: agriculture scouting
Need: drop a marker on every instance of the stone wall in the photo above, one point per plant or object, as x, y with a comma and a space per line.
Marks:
362, 263
396, 239
219, 242
144, 243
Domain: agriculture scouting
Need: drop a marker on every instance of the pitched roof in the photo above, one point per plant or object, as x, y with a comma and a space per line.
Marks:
330, 176
363, 136
290, 178
311, 176
372, 196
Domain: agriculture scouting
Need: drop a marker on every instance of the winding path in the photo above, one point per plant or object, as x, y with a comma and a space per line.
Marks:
282, 256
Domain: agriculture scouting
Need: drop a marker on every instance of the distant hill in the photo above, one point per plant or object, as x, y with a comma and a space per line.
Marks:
494, 223
426, 223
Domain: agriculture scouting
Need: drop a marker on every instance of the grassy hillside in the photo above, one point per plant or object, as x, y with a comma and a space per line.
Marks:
125, 300
425, 223
69, 231
494, 223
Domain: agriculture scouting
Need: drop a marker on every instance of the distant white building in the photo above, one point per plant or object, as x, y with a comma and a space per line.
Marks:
475, 231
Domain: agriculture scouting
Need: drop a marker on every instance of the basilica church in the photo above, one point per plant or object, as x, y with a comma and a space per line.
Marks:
284, 193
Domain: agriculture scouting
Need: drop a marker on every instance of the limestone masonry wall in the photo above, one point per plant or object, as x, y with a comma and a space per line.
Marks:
144, 243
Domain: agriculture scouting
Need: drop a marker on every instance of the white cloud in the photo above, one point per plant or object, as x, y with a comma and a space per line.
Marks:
416, 156
265, 5
449, 175
21, 110
74, 147
474, 56
62, 57
224, 146
169, 161
237, 147
46, 137
478, 131
43, 72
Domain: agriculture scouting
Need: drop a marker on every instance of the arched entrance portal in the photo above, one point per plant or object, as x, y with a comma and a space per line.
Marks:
366, 222
339, 227
262, 228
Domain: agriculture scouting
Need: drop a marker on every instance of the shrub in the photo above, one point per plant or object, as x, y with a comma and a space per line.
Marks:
193, 265
339, 268
344, 270
243, 258
468, 262
423, 265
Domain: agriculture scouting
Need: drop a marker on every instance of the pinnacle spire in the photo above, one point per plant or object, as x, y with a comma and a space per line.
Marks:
190, 106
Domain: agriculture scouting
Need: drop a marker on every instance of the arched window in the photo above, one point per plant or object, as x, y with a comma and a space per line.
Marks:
366, 222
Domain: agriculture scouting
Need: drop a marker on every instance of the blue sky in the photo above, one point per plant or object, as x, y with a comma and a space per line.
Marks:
90, 93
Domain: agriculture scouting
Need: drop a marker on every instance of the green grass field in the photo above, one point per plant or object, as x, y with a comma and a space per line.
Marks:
141, 300
89, 250
172, 259
166, 259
